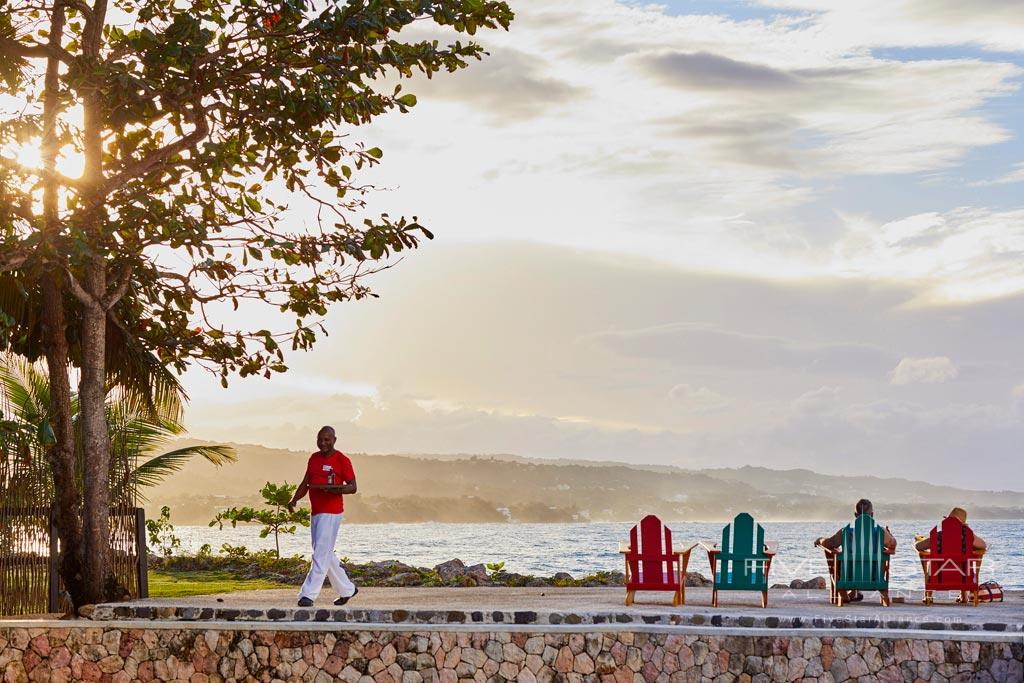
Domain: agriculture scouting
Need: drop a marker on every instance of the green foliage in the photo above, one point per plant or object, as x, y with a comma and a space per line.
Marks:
213, 116
136, 434
276, 520
495, 566
161, 533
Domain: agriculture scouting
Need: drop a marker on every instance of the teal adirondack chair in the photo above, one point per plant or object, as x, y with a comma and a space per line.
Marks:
743, 560
861, 562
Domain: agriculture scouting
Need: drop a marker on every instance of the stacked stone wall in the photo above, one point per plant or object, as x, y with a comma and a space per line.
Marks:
121, 653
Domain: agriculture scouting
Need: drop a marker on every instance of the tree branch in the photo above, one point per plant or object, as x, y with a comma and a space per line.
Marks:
159, 157
12, 261
124, 279
83, 296
14, 48
82, 7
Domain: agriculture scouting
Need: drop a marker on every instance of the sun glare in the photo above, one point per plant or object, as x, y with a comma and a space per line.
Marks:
70, 162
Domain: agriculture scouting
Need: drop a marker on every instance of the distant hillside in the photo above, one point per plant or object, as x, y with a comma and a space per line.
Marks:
466, 488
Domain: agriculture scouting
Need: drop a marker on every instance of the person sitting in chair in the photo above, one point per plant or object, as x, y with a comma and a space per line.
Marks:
863, 507
924, 543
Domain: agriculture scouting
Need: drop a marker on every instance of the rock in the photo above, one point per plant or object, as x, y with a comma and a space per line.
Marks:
451, 570
479, 573
85, 611
405, 579
537, 583
696, 579
818, 582
562, 576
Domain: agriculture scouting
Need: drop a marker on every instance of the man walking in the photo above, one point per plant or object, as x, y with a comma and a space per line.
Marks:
329, 475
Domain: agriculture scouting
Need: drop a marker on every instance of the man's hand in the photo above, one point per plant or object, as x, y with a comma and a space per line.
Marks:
291, 506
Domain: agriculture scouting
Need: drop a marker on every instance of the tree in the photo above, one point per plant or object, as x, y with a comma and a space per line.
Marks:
277, 520
135, 434
198, 121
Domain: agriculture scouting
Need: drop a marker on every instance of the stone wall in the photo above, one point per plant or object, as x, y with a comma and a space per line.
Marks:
120, 653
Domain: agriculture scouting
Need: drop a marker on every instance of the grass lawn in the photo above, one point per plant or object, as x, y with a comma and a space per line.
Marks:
181, 584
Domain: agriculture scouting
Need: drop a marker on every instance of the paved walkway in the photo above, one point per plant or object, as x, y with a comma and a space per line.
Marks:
787, 609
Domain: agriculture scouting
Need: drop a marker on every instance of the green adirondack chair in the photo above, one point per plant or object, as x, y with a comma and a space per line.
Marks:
861, 562
743, 560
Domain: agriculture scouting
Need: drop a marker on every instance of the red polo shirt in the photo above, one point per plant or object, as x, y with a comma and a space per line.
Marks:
318, 470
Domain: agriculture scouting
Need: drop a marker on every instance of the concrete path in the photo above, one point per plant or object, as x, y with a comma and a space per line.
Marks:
787, 609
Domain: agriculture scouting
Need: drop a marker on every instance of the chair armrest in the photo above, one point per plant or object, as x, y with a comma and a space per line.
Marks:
687, 550
828, 551
709, 547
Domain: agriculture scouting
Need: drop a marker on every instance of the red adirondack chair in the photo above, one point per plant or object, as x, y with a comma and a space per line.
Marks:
651, 564
951, 563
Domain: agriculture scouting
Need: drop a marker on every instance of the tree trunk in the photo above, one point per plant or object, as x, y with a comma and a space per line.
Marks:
67, 497
99, 582
95, 436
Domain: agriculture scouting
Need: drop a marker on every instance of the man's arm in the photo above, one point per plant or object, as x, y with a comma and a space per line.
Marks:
979, 543
300, 493
889, 540
833, 541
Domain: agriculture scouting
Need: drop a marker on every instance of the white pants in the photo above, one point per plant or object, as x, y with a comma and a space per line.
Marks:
324, 530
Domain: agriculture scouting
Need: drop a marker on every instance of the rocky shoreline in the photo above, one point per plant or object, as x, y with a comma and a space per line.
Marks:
394, 573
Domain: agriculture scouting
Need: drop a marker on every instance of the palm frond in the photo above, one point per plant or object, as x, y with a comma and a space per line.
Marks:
18, 383
140, 379
158, 468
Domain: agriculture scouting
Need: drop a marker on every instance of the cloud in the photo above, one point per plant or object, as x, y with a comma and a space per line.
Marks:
698, 399
705, 71
702, 345
509, 86
1014, 176
924, 371
966, 252
996, 25
607, 357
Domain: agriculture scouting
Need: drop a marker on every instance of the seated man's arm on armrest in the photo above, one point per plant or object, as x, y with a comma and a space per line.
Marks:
889, 540
979, 543
833, 541
924, 544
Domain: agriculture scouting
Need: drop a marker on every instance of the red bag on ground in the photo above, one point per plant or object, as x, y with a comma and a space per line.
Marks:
990, 591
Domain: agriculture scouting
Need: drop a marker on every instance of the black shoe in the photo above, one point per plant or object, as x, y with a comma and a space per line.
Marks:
342, 601
305, 602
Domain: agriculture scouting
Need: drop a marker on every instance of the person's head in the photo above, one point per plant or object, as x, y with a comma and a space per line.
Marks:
863, 507
960, 514
325, 439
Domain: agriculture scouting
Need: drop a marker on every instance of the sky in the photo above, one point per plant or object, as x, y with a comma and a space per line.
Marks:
781, 232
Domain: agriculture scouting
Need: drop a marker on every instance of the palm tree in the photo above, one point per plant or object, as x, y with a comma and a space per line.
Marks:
137, 433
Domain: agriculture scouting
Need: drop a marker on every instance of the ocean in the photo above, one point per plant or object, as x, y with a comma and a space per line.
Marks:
580, 549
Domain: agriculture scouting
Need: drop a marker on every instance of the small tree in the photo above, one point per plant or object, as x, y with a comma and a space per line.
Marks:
277, 520
161, 533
